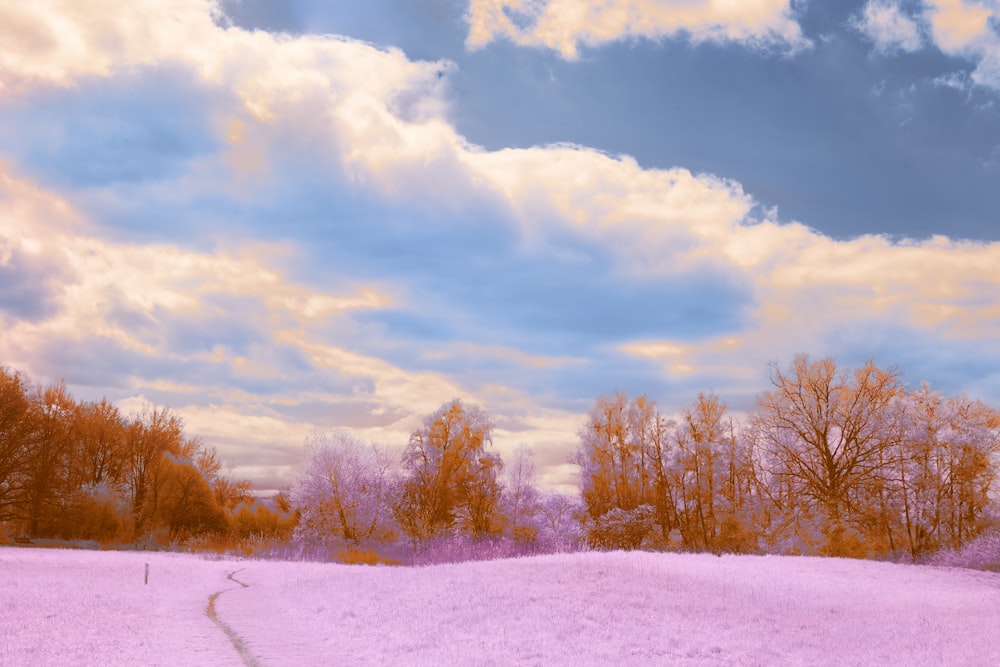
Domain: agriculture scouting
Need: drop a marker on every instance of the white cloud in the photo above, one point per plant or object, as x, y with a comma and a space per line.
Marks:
128, 294
373, 122
637, 212
57, 42
962, 28
968, 28
959, 25
566, 25
888, 27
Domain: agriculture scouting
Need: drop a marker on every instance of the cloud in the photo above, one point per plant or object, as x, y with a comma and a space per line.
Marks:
969, 29
958, 25
962, 28
162, 307
566, 25
888, 27
313, 242
45, 44
30, 278
851, 299
106, 131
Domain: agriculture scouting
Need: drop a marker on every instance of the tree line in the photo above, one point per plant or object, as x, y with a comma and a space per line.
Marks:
82, 470
830, 461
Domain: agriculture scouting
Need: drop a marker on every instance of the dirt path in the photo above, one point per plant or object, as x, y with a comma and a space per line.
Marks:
238, 642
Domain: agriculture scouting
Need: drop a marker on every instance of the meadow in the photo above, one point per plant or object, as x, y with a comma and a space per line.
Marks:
60, 607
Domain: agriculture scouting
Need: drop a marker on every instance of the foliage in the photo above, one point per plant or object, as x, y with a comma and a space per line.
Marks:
84, 471
622, 529
343, 491
354, 556
258, 519
830, 461
980, 553
451, 479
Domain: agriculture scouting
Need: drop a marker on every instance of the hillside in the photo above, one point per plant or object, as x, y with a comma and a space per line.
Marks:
79, 607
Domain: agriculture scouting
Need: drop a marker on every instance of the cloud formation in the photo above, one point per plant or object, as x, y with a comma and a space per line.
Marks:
293, 235
963, 28
969, 29
888, 27
566, 25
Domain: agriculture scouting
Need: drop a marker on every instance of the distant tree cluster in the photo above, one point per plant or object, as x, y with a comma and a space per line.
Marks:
829, 461
82, 470
449, 485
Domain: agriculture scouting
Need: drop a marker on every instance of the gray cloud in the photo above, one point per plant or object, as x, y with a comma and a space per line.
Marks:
31, 285
143, 126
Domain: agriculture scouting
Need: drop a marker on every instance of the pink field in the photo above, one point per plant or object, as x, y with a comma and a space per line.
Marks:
92, 608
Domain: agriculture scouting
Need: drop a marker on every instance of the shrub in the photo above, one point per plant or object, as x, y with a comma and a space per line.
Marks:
622, 529
353, 556
526, 536
981, 553
735, 538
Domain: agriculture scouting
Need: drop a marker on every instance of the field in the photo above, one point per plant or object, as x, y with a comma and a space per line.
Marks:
61, 607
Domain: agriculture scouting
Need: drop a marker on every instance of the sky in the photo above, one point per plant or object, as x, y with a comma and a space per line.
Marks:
278, 217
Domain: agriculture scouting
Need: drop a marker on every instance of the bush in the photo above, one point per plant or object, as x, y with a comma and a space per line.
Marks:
622, 529
981, 553
843, 542
735, 538
525, 536
354, 556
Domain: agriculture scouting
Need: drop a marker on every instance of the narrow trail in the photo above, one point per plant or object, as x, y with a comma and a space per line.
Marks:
238, 642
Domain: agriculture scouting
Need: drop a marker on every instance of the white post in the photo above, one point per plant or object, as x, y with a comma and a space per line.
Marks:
146, 579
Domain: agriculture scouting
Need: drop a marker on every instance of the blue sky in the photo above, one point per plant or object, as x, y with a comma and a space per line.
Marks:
285, 216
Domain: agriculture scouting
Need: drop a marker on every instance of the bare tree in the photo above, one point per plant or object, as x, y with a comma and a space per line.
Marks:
342, 490
562, 515
824, 435
520, 488
943, 470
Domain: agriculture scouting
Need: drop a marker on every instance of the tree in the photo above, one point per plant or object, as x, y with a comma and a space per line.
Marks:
185, 503
613, 454
79, 470
824, 436
520, 496
625, 456
479, 491
50, 457
666, 482
342, 490
229, 493
100, 431
451, 478
943, 469
561, 515
702, 462
15, 431
149, 436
